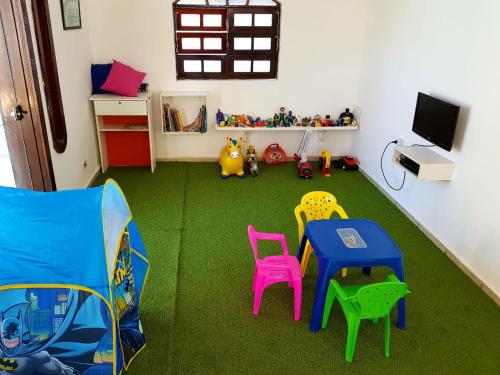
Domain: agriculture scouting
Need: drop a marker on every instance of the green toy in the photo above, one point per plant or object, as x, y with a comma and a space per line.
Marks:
364, 302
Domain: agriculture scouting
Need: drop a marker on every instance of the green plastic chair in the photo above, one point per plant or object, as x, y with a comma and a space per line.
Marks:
358, 302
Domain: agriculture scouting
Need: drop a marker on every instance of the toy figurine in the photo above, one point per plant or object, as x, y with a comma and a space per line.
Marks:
276, 120
298, 121
347, 117
290, 119
282, 117
231, 159
241, 120
232, 120
252, 161
219, 117
329, 121
317, 120
306, 121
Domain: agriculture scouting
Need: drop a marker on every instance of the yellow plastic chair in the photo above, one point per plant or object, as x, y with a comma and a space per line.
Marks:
316, 205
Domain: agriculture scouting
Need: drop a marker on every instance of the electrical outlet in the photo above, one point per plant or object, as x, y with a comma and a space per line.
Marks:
400, 141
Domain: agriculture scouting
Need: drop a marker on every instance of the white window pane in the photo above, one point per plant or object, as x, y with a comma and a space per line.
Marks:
237, 2
191, 43
264, 20
242, 66
212, 66
192, 66
212, 20
192, 2
217, 2
190, 20
213, 43
241, 19
269, 3
262, 43
262, 66
242, 44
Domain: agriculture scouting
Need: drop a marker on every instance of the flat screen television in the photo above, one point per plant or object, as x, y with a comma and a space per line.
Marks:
435, 120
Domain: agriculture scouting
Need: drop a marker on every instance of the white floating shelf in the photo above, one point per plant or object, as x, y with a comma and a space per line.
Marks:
430, 166
182, 133
290, 129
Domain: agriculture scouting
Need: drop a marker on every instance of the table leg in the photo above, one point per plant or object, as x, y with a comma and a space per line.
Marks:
402, 302
326, 269
302, 247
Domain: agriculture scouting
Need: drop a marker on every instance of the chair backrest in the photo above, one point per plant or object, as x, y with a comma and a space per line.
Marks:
377, 300
320, 205
253, 236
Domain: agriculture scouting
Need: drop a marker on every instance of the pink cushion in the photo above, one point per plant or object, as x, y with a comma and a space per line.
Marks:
123, 80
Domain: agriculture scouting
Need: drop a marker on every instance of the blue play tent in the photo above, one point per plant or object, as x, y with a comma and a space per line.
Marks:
72, 274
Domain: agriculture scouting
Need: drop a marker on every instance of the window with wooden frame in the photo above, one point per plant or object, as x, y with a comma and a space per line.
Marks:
226, 39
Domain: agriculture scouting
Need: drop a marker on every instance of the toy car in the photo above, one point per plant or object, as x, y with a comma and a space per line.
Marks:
304, 168
349, 163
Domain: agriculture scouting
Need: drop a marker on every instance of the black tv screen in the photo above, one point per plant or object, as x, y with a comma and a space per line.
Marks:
435, 120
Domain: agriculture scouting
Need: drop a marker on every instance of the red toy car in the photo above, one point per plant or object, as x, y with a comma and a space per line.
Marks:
349, 163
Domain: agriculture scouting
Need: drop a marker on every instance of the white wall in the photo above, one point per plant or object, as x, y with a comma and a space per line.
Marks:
73, 56
447, 49
318, 70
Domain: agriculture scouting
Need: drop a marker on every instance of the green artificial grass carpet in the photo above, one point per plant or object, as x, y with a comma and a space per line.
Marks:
197, 310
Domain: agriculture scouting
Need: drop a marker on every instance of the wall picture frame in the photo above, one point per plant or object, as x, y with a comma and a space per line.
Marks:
71, 15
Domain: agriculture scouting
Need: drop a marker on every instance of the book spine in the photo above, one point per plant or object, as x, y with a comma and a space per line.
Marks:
181, 125
170, 120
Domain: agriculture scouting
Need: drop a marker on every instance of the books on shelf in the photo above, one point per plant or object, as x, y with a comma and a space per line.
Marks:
173, 122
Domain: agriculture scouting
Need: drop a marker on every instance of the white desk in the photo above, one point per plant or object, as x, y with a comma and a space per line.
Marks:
114, 105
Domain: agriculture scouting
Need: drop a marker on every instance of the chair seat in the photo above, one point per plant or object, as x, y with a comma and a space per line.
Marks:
283, 263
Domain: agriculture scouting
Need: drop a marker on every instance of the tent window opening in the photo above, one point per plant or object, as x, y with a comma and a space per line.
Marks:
226, 39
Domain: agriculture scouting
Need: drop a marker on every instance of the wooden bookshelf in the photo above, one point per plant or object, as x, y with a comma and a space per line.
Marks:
187, 103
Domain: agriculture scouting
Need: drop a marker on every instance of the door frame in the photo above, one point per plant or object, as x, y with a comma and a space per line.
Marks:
28, 94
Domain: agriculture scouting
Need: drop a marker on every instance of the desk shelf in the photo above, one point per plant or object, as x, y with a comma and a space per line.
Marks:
124, 129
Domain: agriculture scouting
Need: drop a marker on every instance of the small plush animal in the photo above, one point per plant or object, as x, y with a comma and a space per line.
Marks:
231, 159
252, 161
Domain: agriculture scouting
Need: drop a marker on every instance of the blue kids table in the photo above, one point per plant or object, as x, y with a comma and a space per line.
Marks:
349, 243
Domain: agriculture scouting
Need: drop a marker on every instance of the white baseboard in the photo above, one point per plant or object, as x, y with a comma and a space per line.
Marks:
94, 176
209, 159
449, 253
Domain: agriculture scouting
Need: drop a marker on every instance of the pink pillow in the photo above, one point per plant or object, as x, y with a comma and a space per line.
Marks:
123, 80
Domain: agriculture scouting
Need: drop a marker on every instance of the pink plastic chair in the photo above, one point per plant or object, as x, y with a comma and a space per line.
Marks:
275, 269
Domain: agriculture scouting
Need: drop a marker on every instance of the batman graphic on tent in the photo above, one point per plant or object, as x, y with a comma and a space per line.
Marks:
68, 351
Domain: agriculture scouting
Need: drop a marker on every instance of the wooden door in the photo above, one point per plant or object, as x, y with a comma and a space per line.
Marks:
20, 107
